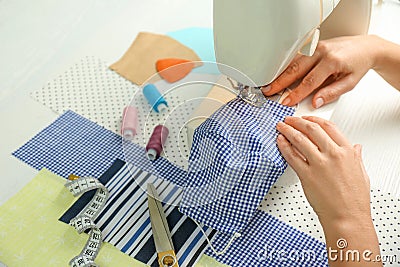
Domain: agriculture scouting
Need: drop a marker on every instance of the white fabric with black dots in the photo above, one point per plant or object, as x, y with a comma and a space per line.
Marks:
90, 89
94, 91
290, 205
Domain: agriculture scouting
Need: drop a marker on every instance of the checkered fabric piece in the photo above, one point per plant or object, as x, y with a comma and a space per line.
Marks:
74, 144
267, 241
233, 162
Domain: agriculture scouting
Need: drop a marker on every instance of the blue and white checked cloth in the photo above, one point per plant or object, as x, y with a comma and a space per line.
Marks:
74, 144
267, 241
233, 163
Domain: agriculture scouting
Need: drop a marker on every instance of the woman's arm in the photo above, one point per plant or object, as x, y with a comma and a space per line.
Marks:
336, 67
336, 185
387, 62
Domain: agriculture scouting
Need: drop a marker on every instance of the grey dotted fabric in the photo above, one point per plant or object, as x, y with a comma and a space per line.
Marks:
94, 91
90, 89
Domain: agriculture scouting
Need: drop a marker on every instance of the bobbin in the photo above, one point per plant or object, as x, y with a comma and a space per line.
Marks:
156, 142
129, 122
154, 97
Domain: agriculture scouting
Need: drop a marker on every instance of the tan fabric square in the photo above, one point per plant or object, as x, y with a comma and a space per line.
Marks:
138, 63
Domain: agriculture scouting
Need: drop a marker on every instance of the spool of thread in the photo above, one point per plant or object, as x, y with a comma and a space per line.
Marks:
154, 98
129, 122
156, 142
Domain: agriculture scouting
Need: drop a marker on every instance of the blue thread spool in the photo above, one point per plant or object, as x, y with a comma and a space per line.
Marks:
154, 98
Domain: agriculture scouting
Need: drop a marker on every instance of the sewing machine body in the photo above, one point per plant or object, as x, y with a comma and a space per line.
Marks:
261, 37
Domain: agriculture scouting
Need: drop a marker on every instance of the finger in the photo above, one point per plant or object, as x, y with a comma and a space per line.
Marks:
331, 129
309, 83
290, 155
333, 91
299, 67
299, 140
299, 154
313, 131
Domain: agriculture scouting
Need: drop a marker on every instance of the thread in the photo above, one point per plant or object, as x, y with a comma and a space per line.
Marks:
156, 142
234, 236
129, 122
154, 97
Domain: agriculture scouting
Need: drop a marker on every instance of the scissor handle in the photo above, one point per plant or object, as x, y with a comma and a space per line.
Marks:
167, 259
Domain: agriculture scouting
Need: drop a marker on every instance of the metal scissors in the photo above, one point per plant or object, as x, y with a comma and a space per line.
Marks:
161, 234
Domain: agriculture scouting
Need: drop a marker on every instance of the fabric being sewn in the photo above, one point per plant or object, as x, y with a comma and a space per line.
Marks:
233, 162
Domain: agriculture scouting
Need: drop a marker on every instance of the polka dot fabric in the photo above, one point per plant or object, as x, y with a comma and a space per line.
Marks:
290, 205
94, 91
91, 89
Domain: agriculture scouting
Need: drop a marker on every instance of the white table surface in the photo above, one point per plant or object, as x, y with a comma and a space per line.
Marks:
40, 39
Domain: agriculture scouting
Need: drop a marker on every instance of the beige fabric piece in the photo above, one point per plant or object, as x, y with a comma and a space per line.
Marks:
138, 63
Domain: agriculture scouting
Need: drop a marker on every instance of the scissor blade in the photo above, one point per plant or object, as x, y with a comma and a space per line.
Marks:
159, 225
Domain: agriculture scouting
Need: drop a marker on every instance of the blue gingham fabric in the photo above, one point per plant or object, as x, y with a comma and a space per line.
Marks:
267, 241
233, 162
74, 144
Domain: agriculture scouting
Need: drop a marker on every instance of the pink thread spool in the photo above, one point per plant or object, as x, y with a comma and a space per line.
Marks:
129, 122
156, 142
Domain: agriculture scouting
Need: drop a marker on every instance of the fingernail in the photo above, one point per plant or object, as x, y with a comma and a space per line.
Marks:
280, 137
279, 124
266, 89
319, 102
286, 101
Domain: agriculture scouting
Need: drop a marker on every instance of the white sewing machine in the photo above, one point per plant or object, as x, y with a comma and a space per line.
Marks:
255, 40
261, 37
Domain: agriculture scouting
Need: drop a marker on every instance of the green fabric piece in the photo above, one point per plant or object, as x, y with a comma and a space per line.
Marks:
31, 235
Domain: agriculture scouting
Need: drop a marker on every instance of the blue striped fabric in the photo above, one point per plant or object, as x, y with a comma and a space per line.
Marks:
125, 221
73, 144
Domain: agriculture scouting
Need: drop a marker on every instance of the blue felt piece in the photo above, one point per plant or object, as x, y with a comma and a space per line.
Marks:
201, 40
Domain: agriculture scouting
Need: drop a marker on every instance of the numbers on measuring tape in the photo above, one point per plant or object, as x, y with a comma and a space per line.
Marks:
85, 219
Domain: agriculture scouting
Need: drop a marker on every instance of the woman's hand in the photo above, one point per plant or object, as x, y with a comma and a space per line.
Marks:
334, 181
335, 68
329, 167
